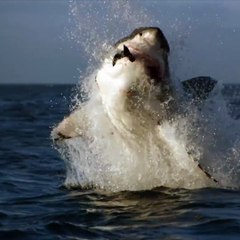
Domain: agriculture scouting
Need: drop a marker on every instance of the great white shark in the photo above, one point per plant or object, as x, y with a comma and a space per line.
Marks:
136, 89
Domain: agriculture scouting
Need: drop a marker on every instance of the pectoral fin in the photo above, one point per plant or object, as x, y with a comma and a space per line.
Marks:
199, 88
72, 126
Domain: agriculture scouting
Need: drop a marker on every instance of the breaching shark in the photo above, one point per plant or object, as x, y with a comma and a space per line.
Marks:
136, 89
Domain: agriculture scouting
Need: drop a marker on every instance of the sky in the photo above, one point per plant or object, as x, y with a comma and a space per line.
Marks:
52, 41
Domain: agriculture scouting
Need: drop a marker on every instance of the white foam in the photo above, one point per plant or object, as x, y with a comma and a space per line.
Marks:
109, 160
130, 153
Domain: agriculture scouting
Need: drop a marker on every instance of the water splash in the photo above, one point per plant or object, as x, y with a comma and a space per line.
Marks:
95, 25
111, 161
217, 134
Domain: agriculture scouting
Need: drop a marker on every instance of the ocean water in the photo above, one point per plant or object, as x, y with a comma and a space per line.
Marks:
34, 204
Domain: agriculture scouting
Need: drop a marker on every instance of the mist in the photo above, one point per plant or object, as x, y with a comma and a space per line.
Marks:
35, 46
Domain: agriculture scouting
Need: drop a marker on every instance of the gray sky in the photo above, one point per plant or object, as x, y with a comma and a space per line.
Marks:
36, 47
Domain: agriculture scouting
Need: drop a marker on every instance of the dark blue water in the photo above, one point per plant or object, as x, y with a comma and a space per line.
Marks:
35, 205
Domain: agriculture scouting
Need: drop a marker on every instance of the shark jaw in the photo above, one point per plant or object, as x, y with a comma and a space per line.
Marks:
136, 79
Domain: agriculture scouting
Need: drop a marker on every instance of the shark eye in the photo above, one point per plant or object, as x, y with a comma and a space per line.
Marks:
140, 34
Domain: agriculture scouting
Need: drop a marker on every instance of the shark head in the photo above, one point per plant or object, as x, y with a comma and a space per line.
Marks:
145, 39
133, 77
138, 66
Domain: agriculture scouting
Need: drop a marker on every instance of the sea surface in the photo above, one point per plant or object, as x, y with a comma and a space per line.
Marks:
34, 204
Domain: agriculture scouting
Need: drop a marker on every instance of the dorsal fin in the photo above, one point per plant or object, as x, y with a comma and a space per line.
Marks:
199, 88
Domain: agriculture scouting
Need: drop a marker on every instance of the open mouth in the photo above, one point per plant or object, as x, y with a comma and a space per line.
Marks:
152, 66
125, 53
